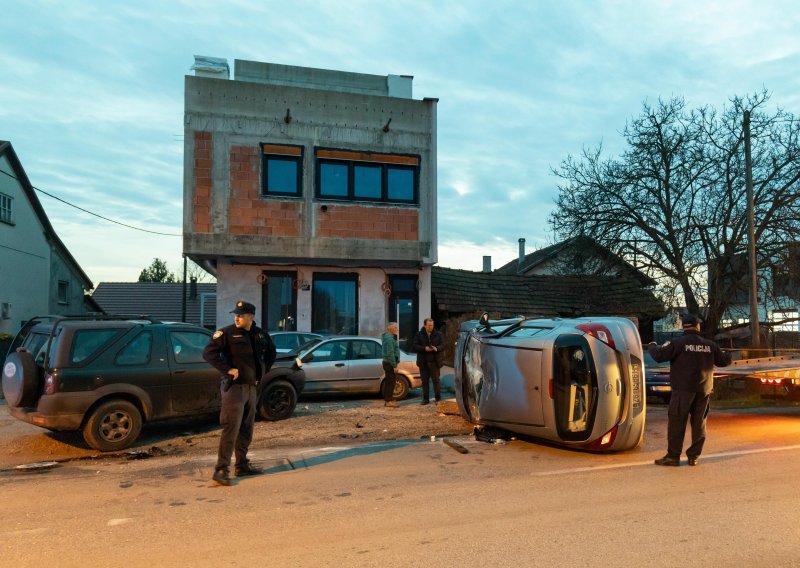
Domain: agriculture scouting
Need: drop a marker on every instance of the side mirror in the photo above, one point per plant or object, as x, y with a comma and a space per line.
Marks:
484, 319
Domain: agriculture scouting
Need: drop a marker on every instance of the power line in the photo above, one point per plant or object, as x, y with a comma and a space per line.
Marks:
95, 214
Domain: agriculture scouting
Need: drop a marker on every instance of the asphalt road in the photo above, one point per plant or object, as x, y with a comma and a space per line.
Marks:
421, 503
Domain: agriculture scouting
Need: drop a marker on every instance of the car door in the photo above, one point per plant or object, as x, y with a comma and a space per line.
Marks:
325, 367
365, 369
195, 383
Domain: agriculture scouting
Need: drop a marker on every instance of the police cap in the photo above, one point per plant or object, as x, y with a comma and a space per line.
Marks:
243, 307
691, 320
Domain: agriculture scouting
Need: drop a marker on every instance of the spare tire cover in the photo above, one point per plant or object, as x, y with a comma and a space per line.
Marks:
20, 379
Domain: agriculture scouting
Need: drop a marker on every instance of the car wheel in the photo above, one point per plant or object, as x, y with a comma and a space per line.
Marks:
113, 426
400, 388
277, 402
21, 384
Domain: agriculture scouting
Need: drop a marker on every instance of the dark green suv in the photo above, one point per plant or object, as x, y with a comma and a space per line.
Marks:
106, 376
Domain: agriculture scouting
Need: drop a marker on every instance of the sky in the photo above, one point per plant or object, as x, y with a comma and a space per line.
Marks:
91, 97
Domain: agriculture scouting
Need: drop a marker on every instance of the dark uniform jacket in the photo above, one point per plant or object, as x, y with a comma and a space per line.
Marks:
692, 360
252, 352
421, 340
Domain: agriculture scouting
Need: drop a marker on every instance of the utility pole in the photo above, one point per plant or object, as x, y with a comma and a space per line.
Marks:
755, 333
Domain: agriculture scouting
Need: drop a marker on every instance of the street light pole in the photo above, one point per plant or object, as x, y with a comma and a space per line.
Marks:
755, 333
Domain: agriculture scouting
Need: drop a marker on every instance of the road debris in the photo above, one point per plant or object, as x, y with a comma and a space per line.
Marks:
456, 446
491, 435
37, 467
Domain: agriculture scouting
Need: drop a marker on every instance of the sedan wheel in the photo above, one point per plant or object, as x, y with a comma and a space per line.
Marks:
278, 401
400, 388
113, 426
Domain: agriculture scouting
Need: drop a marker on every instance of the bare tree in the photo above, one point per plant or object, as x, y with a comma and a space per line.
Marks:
675, 199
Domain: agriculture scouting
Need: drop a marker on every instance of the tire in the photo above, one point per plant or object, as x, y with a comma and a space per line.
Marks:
113, 426
277, 401
400, 388
21, 381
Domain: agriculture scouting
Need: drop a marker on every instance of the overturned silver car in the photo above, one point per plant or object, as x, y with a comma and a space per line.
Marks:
576, 382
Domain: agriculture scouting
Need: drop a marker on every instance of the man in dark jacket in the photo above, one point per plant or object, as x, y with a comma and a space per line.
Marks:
429, 345
691, 376
243, 353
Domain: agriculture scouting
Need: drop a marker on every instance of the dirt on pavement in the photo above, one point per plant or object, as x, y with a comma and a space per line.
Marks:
315, 423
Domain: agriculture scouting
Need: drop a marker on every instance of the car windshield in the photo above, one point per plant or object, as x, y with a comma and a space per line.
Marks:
650, 362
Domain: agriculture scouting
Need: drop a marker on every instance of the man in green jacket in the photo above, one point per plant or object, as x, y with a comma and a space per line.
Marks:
391, 359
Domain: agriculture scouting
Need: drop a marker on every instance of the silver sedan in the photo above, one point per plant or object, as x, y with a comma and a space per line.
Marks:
352, 364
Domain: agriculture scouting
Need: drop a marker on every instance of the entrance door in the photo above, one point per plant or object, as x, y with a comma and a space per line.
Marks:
404, 308
279, 301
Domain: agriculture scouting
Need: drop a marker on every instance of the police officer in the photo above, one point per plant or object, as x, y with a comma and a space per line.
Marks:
691, 376
243, 353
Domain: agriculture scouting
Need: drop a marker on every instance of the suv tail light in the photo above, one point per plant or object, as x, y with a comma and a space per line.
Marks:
49, 383
599, 332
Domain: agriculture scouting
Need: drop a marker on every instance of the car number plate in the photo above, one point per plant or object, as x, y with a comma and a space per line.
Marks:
636, 384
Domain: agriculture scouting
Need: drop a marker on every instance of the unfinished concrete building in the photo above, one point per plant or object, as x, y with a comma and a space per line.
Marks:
312, 194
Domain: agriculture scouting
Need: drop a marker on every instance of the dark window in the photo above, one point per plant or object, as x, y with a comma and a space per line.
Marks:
400, 184
188, 346
87, 342
367, 181
137, 351
63, 292
333, 180
331, 351
279, 297
6, 209
282, 170
334, 304
366, 350
363, 176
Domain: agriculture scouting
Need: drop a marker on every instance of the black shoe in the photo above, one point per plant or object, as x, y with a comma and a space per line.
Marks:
221, 477
666, 460
247, 469
693, 461
438, 400
424, 402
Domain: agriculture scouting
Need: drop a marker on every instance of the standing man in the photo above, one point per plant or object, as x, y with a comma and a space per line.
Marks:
691, 377
391, 359
429, 345
243, 353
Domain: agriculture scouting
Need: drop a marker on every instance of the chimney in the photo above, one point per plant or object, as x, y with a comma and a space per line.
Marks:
487, 264
521, 255
193, 288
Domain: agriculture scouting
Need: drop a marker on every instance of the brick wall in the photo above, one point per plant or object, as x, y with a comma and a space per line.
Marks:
202, 190
364, 222
247, 213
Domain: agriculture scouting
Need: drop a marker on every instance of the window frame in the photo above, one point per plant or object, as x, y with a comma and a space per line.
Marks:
6, 209
63, 284
351, 277
353, 160
282, 153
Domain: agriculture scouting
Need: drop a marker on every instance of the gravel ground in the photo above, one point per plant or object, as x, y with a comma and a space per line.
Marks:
315, 423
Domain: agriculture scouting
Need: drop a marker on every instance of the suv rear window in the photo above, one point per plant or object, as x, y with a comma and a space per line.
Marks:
87, 342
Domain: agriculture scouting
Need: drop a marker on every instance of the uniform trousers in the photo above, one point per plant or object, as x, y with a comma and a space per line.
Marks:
692, 407
237, 416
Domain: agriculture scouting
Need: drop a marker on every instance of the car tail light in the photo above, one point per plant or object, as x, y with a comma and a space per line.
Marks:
599, 332
605, 441
49, 383
771, 381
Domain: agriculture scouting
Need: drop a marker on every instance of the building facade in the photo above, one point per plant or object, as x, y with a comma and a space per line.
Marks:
38, 275
312, 194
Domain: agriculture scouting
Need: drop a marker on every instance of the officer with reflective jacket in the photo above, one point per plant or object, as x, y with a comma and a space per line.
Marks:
243, 353
691, 376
